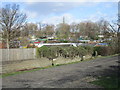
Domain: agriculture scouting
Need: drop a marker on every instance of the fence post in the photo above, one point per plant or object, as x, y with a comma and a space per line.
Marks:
34, 54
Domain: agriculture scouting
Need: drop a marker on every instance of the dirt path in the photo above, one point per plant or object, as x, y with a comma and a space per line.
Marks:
67, 76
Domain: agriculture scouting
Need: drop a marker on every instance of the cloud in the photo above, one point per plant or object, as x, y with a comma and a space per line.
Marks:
31, 15
44, 8
99, 15
59, 19
53, 12
96, 16
108, 5
69, 18
47, 8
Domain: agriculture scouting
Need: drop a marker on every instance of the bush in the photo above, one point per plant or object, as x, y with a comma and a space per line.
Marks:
103, 50
64, 41
48, 52
68, 52
52, 53
81, 52
72, 51
42, 51
89, 49
64, 52
114, 45
56, 51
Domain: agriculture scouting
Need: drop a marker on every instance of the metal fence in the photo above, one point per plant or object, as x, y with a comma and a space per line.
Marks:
17, 54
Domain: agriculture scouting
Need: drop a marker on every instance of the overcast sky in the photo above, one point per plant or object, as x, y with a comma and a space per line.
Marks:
53, 12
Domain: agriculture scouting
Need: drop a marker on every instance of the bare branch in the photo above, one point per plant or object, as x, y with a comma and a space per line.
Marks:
11, 20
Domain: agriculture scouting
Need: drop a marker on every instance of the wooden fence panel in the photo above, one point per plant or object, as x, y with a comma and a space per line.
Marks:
17, 54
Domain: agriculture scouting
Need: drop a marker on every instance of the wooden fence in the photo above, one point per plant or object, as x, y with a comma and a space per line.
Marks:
17, 54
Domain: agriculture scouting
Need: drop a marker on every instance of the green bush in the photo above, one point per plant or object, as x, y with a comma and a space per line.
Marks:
81, 52
98, 49
38, 53
64, 41
49, 52
43, 51
64, 52
114, 44
89, 49
67, 52
52, 53
104, 50
72, 52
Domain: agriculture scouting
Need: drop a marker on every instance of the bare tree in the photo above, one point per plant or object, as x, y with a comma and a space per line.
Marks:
118, 23
63, 31
87, 29
11, 19
48, 30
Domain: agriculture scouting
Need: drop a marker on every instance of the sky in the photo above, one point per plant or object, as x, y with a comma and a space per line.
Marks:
53, 12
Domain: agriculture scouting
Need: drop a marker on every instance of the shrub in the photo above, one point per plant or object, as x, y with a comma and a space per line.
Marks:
65, 41
72, 51
114, 44
52, 53
67, 52
103, 50
89, 49
38, 53
81, 52
48, 52
59, 50
64, 52
42, 51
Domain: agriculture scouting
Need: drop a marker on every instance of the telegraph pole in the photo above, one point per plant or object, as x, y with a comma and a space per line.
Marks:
63, 20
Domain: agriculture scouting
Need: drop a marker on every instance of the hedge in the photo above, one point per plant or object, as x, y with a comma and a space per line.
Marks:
72, 52
66, 52
105, 50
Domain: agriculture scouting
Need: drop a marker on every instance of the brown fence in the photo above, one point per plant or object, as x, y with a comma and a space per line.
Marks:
17, 54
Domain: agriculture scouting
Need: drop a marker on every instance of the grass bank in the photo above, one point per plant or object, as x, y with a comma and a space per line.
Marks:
109, 82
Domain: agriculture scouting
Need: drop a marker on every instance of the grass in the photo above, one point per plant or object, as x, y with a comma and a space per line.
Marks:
109, 83
31, 70
36, 69
22, 71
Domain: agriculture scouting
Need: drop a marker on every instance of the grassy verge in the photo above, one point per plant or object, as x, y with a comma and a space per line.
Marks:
36, 69
23, 71
31, 70
109, 83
